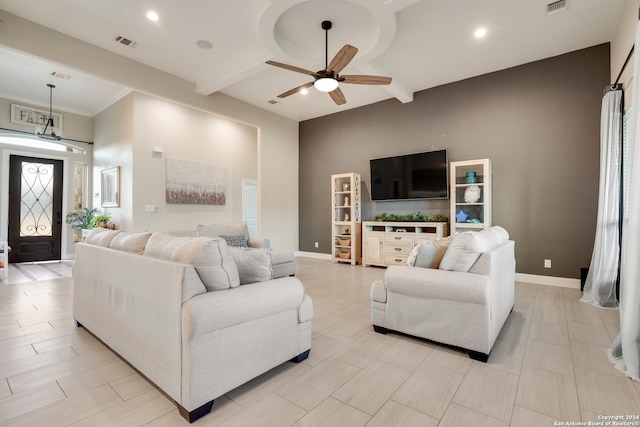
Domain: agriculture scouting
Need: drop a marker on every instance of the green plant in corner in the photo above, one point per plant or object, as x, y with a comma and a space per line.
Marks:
79, 220
100, 220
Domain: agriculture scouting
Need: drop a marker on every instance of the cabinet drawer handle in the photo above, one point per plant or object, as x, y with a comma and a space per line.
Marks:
398, 238
398, 260
397, 249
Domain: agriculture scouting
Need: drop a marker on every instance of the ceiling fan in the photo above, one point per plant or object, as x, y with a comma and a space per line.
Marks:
329, 79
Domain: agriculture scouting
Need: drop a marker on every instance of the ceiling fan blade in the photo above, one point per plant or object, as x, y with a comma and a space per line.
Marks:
295, 90
342, 58
338, 96
291, 68
365, 80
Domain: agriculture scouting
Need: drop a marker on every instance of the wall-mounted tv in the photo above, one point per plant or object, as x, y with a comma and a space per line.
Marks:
412, 176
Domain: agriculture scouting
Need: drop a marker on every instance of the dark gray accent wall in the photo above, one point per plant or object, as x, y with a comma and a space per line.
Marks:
539, 123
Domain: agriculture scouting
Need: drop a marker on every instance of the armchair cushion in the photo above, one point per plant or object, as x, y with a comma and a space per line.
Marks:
466, 248
235, 240
428, 254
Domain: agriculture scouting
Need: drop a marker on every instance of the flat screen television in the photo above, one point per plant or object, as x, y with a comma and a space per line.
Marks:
412, 176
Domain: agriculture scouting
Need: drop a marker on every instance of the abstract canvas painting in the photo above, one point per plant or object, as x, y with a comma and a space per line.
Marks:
194, 183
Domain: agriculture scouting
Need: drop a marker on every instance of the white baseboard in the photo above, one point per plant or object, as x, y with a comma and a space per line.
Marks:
315, 255
562, 282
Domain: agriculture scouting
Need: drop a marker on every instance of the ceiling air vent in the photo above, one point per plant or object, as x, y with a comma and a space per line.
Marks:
557, 6
125, 41
59, 75
272, 101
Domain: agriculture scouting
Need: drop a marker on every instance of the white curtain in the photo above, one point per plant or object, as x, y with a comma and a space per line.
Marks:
600, 286
625, 350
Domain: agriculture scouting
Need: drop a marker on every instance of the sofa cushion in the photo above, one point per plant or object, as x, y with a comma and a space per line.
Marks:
130, 242
210, 257
428, 254
217, 230
254, 264
235, 240
101, 237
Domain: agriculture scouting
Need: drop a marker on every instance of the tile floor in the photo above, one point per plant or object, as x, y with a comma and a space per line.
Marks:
548, 366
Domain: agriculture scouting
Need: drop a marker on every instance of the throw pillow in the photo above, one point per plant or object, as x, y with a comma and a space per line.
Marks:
461, 254
254, 264
501, 234
428, 254
210, 257
131, 242
236, 240
101, 237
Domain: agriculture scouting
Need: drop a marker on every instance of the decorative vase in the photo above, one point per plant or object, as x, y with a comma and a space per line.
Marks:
471, 177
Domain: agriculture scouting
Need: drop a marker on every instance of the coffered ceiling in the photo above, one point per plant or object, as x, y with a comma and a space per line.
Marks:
222, 46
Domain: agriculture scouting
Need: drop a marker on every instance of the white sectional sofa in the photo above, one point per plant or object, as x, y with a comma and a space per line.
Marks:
186, 314
462, 300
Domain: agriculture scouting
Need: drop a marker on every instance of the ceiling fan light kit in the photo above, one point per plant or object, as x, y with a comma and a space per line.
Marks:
326, 84
329, 79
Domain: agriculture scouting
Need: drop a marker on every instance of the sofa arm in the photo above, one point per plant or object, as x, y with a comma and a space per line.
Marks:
255, 242
378, 292
216, 310
437, 284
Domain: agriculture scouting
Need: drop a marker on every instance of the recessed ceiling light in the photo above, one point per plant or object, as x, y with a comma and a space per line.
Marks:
304, 91
203, 44
152, 16
480, 32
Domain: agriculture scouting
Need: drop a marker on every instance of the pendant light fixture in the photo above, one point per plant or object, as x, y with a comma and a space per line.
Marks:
52, 136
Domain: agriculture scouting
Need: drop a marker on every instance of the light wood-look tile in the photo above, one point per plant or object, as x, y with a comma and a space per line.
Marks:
552, 357
334, 413
318, 383
429, 389
272, 411
523, 417
458, 415
606, 394
549, 393
497, 387
589, 334
134, 412
372, 387
554, 333
64, 376
406, 353
67, 411
394, 414
21, 403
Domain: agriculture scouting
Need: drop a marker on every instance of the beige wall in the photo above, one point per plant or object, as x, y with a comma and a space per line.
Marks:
277, 136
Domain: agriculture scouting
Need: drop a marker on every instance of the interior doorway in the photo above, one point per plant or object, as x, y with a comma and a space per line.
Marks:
35, 208
250, 205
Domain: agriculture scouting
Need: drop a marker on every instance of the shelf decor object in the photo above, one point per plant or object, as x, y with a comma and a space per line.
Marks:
345, 223
470, 182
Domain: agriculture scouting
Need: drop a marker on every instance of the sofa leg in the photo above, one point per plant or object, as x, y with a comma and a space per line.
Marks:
302, 356
191, 416
380, 329
78, 324
480, 357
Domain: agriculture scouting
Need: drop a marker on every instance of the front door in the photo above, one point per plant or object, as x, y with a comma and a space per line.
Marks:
35, 209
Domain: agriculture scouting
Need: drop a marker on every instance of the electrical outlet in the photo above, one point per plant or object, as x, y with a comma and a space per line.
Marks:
316, 244
547, 263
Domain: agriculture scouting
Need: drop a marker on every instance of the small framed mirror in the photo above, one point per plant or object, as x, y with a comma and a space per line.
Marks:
111, 187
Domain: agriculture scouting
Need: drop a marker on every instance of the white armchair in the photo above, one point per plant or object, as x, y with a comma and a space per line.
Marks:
463, 309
